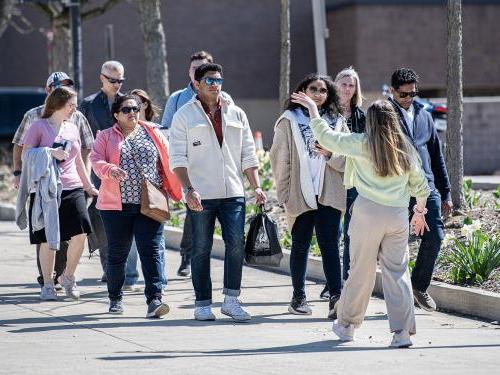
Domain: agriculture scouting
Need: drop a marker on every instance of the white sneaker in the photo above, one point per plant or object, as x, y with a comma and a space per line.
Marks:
48, 293
401, 340
70, 287
231, 307
343, 333
204, 313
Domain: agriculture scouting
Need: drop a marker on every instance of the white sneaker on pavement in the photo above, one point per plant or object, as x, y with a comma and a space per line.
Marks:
231, 307
204, 313
401, 340
48, 293
70, 287
343, 333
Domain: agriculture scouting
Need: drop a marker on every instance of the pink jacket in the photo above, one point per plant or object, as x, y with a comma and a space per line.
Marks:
106, 154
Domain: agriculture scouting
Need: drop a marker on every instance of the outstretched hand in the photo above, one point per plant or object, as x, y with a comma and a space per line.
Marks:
302, 99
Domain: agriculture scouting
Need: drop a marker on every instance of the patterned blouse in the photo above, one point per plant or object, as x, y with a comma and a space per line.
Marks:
140, 146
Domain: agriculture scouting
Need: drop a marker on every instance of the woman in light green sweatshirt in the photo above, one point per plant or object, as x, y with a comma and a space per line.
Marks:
385, 170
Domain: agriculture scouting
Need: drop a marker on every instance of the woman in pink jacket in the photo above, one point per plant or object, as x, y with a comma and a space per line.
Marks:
121, 155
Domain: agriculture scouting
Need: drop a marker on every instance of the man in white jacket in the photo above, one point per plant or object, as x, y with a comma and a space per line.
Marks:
211, 148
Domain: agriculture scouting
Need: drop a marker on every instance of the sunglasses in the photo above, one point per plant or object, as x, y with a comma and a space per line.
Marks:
127, 110
113, 80
213, 81
315, 90
411, 94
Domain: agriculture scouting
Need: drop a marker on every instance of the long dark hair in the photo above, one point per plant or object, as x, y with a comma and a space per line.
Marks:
330, 106
56, 100
152, 111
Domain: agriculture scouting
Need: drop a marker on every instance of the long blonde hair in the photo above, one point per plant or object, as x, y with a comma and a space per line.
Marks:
390, 151
357, 98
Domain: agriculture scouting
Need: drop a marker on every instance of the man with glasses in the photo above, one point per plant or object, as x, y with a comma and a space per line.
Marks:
418, 126
55, 80
211, 148
97, 110
176, 101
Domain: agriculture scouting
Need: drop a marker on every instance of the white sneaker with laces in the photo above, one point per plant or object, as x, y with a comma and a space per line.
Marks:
401, 340
204, 313
343, 333
48, 293
70, 287
231, 307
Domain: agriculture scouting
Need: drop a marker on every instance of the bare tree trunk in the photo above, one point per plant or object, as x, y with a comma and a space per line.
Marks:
6, 8
454, 141
61, 53
284, 53
155, 50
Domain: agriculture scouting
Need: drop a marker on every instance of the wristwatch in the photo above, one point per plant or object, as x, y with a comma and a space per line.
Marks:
187, 189
16, 173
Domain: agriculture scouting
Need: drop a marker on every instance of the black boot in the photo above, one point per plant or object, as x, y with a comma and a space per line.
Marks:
185, 267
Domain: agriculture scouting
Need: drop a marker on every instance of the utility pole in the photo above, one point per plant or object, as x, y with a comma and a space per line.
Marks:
76, 36
320, 34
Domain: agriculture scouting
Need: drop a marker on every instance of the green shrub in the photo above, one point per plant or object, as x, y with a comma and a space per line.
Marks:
473, 260
175, 221
472, 197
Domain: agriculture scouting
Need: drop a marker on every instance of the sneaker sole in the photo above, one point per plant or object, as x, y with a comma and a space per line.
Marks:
116, 312
159, 312
209, 319
291, 310
340, 335
402, 345
236, 318
422, 306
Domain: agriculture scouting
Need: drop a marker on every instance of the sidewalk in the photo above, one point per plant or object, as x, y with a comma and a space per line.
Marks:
81, 338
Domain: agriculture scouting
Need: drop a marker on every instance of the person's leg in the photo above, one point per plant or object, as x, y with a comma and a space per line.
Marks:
203, 224
119, 231
163, 260
327, 224
75, 250
61, 259
186, 246
351, 197
366, 232
430, 245
302, 232
393, 257
47, 259
231, 215
131, 271
38, 265
147, 233
103, 257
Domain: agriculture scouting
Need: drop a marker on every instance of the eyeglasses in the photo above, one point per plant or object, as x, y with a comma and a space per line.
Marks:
315, 90
411, 94
213, 81
113, 80
127, 110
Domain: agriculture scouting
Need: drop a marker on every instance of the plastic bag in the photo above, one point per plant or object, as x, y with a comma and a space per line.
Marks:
262, 246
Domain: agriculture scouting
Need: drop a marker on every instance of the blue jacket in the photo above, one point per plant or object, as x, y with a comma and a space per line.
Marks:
425, 140
96, 109
177, 100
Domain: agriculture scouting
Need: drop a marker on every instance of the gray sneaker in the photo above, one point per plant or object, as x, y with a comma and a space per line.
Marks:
299, 306
70, 287
116, 307
48, 293
231, 307
424, 300
156, 309
203, 313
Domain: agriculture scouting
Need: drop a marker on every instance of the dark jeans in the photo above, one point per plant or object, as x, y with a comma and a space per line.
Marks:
430, 245
351, 197
231, 215
60, 263
187, 236
121, 227
326, 222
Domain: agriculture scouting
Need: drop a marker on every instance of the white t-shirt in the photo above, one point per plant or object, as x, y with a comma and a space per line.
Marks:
409, 115
315, 169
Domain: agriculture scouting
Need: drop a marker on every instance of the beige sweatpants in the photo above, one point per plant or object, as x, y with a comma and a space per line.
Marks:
378, 231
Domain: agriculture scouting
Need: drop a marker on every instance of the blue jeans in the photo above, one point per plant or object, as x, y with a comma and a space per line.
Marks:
121, 227
326, 221
131, 270
352, 193
231, 215
430, 245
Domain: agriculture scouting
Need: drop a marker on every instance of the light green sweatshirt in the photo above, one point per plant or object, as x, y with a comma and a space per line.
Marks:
360, 173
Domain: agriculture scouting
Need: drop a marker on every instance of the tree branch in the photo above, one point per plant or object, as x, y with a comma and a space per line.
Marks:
97, 11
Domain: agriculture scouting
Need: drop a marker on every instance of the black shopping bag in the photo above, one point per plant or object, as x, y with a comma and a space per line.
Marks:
262, 247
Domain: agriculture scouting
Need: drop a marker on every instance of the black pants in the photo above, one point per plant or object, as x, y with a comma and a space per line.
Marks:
60, 264
187, 236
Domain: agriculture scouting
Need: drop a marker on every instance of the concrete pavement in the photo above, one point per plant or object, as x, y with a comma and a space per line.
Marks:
81, 338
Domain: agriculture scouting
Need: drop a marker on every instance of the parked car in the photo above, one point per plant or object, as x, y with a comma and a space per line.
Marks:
14, 102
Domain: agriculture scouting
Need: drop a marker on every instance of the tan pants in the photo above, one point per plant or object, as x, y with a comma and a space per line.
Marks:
378, 231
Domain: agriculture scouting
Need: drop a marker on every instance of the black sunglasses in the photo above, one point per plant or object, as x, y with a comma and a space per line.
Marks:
411, 94
127, 110
113, 80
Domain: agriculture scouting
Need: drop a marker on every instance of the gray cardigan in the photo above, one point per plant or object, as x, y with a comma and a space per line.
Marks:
41, 174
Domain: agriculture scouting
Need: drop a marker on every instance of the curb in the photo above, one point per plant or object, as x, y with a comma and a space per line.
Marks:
451, 298
7, 212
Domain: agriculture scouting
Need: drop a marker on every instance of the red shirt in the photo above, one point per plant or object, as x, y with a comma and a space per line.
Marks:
215, 118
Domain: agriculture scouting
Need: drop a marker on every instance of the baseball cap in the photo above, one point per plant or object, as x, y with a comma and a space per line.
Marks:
56, 78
